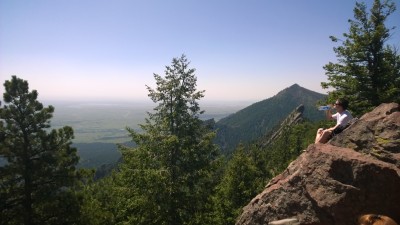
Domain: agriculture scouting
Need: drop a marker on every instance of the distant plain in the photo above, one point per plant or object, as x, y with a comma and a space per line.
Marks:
100, 126
106, 122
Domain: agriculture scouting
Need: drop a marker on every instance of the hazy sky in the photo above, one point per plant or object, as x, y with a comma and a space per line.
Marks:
102, 49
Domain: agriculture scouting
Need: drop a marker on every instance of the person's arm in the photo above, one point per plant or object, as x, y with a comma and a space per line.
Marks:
329, 114
333, 128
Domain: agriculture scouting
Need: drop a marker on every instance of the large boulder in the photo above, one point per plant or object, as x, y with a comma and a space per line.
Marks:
357, 172
376, 133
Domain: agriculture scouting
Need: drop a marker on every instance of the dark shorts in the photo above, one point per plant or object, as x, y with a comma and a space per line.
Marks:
337, 131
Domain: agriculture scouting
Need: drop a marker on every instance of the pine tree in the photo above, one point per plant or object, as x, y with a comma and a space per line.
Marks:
240, 183
100, 202
39, 173
168, 176
368, 70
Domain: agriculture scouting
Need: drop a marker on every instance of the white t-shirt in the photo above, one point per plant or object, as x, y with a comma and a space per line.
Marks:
342, 118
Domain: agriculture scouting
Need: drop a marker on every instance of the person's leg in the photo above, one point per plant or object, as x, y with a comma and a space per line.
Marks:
324, 137
318, 135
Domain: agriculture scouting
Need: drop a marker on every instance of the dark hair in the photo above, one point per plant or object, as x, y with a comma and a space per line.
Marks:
344, 103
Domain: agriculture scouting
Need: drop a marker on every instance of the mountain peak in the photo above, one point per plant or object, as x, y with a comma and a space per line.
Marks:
297, 90
295, 86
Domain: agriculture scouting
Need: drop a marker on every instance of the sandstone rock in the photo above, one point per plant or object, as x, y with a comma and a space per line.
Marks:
357, 173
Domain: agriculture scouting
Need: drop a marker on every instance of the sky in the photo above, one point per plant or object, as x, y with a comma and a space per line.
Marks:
109, 50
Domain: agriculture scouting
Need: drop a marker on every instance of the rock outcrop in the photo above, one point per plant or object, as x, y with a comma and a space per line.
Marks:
292, 119
376, 133
357, 172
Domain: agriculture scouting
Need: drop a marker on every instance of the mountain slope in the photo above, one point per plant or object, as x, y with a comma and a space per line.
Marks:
293, 118
261, 117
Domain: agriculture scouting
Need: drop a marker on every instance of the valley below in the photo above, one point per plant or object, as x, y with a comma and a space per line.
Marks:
99, 127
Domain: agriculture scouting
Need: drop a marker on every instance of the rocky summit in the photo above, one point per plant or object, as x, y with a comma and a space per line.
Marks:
357, 172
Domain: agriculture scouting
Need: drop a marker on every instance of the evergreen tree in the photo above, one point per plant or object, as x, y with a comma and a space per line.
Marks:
168, 176
240, 183
100, 202
288, 146
368, 70
37, 180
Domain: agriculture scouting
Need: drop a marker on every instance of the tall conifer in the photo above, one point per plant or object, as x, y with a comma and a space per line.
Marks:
169, 173
39, 172
368, 69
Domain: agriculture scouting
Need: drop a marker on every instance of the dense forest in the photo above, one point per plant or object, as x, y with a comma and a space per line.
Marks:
176, 173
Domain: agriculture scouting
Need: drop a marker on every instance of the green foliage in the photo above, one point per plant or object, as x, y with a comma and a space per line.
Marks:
103, 201
168, 177
288, 146
240, 183
253, 165
39, 180
368, 71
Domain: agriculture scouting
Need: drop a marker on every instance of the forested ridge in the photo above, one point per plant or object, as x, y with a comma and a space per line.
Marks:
177, 173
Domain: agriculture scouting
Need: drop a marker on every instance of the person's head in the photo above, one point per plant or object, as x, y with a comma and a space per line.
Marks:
343, 103
372, 219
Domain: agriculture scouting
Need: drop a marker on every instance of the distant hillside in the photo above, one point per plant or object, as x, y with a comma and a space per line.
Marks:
259, 118
96, 154
291, 120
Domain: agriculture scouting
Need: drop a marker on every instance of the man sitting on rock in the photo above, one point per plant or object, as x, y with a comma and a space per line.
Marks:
342, 117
